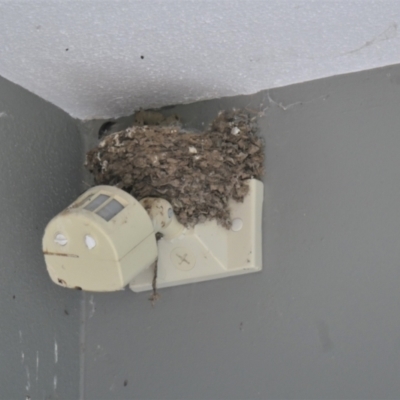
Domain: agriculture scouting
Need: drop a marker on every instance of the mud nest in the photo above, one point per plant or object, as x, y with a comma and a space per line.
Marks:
198, 173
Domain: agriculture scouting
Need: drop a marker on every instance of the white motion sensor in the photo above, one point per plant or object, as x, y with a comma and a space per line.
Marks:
106, 240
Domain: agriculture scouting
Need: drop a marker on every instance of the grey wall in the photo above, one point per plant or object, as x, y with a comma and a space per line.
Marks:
322, 320
40, 157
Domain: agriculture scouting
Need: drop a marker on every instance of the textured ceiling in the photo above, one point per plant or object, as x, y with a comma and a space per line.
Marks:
108, 58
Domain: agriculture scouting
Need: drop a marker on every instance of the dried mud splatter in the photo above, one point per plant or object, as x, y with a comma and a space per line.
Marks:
198, 173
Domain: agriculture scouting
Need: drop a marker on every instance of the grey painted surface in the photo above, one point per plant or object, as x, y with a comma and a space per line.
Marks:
322, 320
40, 156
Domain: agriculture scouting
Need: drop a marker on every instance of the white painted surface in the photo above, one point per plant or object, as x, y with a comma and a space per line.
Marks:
85, 56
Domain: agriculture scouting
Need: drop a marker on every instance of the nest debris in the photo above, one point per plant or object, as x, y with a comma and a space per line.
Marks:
198, 173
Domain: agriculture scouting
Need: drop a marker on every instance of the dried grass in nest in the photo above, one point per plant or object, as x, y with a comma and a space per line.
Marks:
196, 172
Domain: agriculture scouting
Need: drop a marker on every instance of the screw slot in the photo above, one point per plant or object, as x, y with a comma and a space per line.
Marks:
60, 239
183, 259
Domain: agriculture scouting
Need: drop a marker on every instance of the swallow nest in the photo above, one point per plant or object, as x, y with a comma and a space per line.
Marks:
198, 173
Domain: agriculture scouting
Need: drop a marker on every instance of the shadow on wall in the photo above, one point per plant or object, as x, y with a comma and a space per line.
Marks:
118, 91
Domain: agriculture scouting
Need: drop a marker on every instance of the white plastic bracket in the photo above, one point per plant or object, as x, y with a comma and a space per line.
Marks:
209, 251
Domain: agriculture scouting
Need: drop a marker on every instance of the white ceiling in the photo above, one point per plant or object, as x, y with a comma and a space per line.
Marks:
107, 58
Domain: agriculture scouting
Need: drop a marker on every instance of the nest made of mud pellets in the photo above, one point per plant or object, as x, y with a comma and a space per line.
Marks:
198, 173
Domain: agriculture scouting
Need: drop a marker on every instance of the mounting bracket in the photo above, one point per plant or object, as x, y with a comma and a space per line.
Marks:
209, 251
